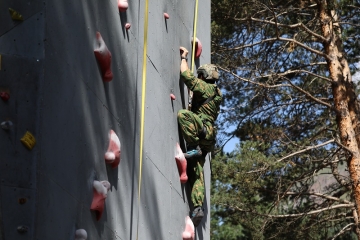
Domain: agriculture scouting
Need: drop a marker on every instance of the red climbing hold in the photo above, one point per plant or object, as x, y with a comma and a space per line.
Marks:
166, 16
4, 96
189, 232
112, 155
103, 57
127, 26
181, 164
100, 194
123, 5
80, 234
172, 96
198, 47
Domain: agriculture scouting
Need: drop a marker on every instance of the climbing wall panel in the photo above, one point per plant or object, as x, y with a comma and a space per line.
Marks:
58, 94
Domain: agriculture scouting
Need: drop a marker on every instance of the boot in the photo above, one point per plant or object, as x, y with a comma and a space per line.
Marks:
193, 152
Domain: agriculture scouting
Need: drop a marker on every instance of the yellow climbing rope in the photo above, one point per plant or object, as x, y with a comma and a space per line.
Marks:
143, 94
194, 35
190, 93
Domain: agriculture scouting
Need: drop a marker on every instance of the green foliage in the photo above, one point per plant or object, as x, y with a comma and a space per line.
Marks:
278, 101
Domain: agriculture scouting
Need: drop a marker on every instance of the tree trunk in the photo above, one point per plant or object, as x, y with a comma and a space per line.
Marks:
344, 99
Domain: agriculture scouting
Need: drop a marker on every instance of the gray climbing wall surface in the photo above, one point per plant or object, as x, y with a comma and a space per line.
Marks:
48, 68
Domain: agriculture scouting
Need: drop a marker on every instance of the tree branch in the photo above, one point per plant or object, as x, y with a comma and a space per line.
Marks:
342, 231
280, 39
309, 95
311, 212
297, 25
300, 71
306, 149
252, 82
351, 205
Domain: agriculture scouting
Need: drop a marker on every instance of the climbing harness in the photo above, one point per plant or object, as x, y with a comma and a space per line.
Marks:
208, 99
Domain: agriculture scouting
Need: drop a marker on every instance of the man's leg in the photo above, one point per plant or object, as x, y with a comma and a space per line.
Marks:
192, 128
196, 180
190, 125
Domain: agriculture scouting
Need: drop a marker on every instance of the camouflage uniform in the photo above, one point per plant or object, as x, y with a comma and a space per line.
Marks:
191, 125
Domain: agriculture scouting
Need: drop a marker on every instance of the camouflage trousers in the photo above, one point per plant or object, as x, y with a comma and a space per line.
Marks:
195, 173
191, 125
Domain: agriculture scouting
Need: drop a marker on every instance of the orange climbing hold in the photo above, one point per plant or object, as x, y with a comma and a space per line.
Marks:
103, 56
181, 164
123, 5
15, 15
28, 140
166, 16
112, 155
189, 232
127, 26
198, 47
100, 194
172, 96
80, 234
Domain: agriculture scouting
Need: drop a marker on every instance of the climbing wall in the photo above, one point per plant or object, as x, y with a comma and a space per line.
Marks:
58, 106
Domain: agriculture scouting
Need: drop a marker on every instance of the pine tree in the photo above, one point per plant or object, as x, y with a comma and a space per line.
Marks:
286, 76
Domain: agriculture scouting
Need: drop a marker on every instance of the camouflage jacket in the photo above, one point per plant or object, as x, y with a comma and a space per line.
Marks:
202, 91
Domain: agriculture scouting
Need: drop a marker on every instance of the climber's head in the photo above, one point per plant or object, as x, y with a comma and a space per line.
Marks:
208, 73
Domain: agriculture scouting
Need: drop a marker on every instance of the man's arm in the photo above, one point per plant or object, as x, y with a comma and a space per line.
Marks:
184, 65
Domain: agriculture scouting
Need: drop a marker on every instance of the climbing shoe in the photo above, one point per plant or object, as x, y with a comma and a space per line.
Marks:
197, 216
196, 152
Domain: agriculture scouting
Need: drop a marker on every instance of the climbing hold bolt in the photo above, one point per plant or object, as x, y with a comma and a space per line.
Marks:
28, 140
15, 15
123, 5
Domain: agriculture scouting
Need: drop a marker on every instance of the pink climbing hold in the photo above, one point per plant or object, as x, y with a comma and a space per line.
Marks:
103, 56
198, 47
166, 16
100, 194
123, 5
127, 26
172, 96
112, 155
189, 232
80, 234
5, 96
181, 164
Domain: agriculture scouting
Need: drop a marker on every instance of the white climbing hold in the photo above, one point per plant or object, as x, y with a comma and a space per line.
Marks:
6, 125
189, 232
112, 155
80, 234
123, 5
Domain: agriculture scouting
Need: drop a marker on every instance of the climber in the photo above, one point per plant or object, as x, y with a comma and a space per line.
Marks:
197, 126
